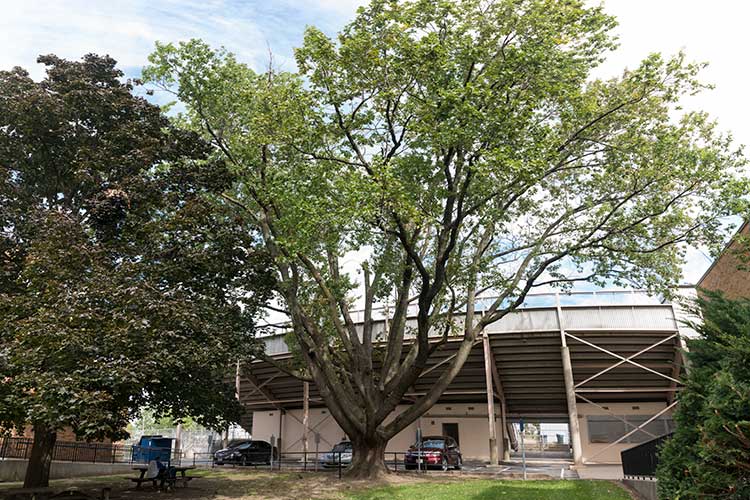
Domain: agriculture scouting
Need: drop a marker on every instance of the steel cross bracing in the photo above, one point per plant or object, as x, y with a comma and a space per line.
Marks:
674, 386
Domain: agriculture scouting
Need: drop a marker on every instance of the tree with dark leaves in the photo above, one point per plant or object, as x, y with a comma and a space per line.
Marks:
124, 283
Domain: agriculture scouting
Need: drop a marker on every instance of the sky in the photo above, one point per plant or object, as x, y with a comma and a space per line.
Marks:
713, 32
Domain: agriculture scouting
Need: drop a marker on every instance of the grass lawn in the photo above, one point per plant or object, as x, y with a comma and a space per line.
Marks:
482, 489
243, 484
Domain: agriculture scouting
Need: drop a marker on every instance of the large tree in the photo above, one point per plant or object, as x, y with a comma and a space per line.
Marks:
122, 283
709, 454
465, 150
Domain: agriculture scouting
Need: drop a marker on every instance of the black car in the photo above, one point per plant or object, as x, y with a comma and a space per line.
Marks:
434, 451
246, 453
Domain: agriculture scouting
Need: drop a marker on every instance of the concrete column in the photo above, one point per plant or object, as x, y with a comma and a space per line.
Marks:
504, 435
490, 399
237, 379
575, 434
305, 414
178, 438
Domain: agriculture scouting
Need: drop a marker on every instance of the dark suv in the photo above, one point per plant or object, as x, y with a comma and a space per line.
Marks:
434, 451
246, 453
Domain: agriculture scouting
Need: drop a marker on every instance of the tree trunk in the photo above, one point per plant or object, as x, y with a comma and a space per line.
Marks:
37, 471
368, 460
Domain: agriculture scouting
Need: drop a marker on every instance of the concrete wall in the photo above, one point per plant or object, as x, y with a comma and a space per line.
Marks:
473, 428
612, 455
15, 470
644, 487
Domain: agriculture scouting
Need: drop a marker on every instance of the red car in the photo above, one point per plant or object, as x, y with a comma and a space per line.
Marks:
434, 451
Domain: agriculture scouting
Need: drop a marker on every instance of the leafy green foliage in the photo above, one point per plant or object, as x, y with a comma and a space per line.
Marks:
709, 453
123, 282
450, 149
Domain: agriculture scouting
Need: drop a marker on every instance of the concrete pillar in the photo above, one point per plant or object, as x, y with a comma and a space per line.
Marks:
490, 399
575, 434
178, 438
237, 380
504, 436
305, 415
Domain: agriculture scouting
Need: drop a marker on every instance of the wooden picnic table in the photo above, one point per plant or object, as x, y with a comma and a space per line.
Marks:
162, 479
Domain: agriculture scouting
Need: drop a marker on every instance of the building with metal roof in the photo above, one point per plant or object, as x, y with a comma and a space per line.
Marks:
605, 364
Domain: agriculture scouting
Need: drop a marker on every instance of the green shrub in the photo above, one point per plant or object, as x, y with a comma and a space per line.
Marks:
709, 454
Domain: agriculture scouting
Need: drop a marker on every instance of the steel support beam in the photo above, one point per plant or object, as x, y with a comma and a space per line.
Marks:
314, 429
570, 394
255, 389
237, 381
490, 398
305, 415
624, 359
628, 434
613, 414
503, 444
260, 388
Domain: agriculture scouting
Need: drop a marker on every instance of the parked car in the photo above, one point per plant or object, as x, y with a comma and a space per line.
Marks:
342, 451
434, 451
248, 452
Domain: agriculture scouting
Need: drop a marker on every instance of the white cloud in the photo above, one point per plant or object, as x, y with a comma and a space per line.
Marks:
341, 6
126, 30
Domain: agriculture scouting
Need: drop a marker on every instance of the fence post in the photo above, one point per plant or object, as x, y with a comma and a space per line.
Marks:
339, 465
96, 449
273, 447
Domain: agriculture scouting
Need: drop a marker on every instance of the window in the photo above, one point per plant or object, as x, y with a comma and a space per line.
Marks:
343, 447
604, 429
433, 443
608, 429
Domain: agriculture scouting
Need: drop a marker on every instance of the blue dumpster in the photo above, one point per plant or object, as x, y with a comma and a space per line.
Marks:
153, 447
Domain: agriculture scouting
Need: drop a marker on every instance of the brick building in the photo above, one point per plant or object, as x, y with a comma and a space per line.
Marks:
725, 274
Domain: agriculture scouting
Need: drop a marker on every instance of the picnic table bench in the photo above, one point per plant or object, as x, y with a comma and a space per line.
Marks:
162, 479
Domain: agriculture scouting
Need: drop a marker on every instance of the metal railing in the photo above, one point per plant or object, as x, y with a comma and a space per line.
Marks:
534, 303
67, 451
311, 461
641, 461
624, 297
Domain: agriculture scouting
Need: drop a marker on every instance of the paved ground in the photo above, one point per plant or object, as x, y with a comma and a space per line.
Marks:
535, 469
600, 472
551, 469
